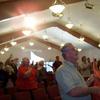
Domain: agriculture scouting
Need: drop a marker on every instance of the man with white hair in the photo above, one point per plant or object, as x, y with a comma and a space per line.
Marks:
71, 84
26, 79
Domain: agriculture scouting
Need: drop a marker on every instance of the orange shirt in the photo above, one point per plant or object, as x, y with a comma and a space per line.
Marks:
26, 83
96, 81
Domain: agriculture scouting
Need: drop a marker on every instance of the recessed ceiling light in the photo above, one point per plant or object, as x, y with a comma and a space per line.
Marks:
6, 48
79, 49
69, 25
99, 45
2, 52
31, 43
49, 48
13, 43
22, 47
57, 7
81, 38
27, 32
62, 44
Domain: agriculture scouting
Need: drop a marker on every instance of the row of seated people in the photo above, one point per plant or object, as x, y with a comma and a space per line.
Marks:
50, 93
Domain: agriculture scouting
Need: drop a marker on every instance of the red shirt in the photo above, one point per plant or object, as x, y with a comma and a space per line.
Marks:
26, 83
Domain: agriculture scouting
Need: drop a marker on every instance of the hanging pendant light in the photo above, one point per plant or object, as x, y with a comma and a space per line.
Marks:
69, 24
82, 38
57, 7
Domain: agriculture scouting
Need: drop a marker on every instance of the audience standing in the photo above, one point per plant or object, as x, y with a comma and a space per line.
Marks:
27, 76
85, 67
71, 83
42, 73
96, 69
56, 63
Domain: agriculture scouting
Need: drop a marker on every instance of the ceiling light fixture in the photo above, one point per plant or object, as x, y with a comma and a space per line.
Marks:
6, 48
69, 25
45, 36
57, 15
62, 44
49, 48
13, 43
88, 5
2, 52
81, 38
57, 8
31, 43
22, 47
99, 45
79, 49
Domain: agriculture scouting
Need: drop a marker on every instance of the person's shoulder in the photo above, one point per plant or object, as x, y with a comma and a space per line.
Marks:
61, 68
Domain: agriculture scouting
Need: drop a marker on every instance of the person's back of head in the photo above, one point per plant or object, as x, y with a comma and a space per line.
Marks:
57, 58
88, 59
41, 63
83, 59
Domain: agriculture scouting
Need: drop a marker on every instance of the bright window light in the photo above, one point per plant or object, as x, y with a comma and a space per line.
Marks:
35, 58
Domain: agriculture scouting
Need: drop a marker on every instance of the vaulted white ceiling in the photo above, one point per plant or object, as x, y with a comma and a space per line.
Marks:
86, 23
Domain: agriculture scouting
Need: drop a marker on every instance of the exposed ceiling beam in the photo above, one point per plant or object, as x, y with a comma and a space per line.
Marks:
73, 32
22, 38
8, 37
45, 42
11, 8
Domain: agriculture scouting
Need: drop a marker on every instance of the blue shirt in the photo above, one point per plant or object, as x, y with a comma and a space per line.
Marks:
68, 78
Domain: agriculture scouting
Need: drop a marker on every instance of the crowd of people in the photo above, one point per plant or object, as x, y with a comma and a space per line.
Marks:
72, 83
76, 80
26, 76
